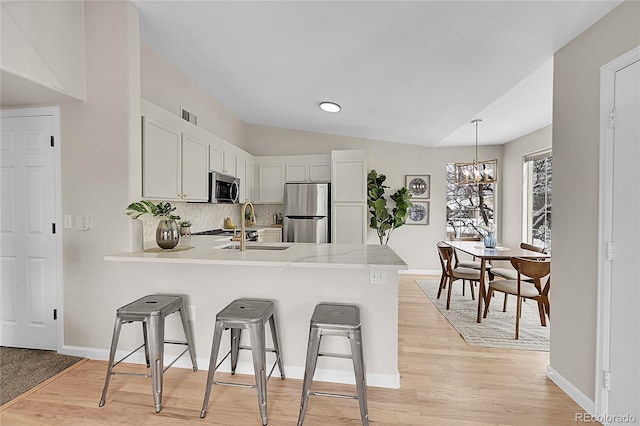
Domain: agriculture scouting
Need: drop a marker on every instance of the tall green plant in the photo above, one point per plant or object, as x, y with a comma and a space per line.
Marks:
381, 220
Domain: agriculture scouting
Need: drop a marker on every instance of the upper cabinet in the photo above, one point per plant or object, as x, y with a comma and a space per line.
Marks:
161, 160
271, 183
177, 157
221, 161
174, 164
195, 169
308, 168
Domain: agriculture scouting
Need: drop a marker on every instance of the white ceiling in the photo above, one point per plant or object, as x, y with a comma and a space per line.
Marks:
412, 72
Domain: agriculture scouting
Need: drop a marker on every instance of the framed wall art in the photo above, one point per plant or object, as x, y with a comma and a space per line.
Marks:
419, 186
418, 213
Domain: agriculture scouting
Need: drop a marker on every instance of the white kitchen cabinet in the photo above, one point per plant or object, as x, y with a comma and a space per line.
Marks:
221, 161
241, 173
195, 169
174, 165
271, 179
270, 235
308, 168
320, 172
297, 172
249, 181
349, 196
161, 160
229, 164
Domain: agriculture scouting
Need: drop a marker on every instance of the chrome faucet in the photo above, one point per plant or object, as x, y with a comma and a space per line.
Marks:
243, 234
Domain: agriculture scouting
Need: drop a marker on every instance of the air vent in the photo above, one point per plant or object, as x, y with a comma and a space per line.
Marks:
186, 115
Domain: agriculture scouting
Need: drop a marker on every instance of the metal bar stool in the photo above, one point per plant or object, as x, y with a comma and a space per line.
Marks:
151, 311
333, 319
251, 314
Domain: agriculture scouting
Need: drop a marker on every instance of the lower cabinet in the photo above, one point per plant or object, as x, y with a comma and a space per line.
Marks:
270, 235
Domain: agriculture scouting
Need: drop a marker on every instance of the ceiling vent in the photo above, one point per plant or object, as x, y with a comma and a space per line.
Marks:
191, 118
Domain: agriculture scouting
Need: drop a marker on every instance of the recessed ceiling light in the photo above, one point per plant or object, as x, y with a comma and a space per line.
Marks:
330, 107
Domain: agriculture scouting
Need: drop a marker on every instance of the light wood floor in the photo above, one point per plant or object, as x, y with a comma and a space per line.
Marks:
443, 382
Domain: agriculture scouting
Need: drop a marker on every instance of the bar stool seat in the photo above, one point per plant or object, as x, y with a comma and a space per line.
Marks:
252, 315
151, 311
333, 319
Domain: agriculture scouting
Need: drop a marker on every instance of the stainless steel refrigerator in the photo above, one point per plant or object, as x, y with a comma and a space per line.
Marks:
306, 213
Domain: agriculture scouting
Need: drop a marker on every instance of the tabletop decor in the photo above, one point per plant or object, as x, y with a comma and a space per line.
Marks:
185, 228
381, 220
167, 234
419, 186
490, 238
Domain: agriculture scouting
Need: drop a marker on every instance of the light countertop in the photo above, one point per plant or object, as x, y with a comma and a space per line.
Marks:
208, 250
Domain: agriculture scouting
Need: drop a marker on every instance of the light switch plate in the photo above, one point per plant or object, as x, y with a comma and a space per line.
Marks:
376, 276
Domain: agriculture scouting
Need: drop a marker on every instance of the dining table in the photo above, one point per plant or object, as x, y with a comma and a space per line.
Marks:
485, 254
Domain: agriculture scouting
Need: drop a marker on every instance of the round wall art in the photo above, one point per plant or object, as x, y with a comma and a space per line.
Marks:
419, 186
418, 213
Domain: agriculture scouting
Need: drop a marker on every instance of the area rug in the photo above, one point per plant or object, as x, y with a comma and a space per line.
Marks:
498, 329
23, 369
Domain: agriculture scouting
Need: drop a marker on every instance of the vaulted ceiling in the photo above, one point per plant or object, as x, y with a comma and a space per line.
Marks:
412, 72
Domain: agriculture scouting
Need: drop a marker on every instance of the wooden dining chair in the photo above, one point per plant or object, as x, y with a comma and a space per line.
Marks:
451, 274
529, 269
474, 264
511, 273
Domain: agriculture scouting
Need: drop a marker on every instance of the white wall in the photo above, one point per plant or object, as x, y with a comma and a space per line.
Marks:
165, 85
96, 139
576, 124
511, 181
43, 42
415, 243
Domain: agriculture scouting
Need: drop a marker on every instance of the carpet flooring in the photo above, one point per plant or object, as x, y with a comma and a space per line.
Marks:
498, 329
22, 369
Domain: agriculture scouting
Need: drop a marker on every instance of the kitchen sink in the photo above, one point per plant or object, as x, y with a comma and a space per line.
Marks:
254, 247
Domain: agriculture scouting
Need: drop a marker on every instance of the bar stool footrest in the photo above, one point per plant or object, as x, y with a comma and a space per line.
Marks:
333, 355
334, 395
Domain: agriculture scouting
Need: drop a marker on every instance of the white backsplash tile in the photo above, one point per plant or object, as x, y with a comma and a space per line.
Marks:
209, 216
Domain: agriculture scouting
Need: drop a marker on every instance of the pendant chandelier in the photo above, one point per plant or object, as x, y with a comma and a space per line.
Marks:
476, 172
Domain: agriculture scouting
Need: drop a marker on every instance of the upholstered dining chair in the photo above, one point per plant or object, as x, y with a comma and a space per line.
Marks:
451, 273
529, 269
512, 274
474, 264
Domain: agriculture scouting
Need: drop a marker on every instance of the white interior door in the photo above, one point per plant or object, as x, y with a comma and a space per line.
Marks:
624, 393
28, 248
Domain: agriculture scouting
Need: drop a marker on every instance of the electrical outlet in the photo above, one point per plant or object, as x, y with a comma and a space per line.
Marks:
376, 276
395, 250
191, 313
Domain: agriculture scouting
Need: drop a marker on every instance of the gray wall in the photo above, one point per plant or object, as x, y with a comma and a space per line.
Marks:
511, 181
576, 124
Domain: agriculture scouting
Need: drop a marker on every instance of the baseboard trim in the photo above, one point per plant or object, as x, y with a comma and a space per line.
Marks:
437, 272
576, 394
391, 381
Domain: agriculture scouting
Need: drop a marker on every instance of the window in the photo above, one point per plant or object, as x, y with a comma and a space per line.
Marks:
537, 199
468, 206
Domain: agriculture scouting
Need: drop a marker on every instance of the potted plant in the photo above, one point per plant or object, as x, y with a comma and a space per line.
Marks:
381, 220
167, 235
185, 228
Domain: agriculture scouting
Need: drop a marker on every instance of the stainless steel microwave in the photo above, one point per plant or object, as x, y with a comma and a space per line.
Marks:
223, 188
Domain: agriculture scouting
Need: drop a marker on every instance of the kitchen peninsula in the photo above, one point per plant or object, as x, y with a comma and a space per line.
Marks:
296, 277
